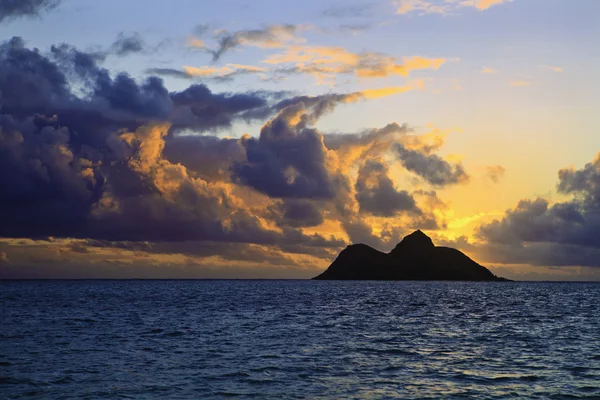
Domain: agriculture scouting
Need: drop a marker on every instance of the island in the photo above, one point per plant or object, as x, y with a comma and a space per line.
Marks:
414, 258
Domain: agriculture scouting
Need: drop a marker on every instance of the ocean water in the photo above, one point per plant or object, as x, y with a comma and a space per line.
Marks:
298, 339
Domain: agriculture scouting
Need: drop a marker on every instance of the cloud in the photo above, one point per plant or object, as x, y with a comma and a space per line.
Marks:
431, 167
208, 157
421, 6
482, 4
92, 259
488, 70
272, 36
552, 68
495, 173
127, 44
326, 63
521, 83
322, 62
559, 234
224, 73
171, 72
95, 166
139, 197
289, 158
386, 91
117, 169
13, 9
355, 29
349, 11
443, 6
198, 108
298, 213
376, 194
353, 147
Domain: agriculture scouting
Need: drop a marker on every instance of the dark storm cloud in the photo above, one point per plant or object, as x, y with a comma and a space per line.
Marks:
91, 165
198, 108
45, 190
123, 100
11, 9
29, 81
128, 43
376, 194
564, 233
209, 157
431, 167
535, 221
298, 213
288, 160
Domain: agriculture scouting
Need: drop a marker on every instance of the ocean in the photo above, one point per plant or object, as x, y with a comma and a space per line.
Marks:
298, 340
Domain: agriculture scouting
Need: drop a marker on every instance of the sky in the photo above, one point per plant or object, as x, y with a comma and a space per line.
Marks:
257, 139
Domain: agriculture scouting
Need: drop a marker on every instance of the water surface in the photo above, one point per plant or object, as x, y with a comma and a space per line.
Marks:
298, 339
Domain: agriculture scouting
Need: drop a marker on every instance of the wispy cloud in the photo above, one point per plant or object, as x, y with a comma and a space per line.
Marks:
324, 63
488, 70
481, 4
421, 6
521, 83
127, 44
224, 73
552, 68
495, 173
272, 36
369, 94
442, 6
349, 11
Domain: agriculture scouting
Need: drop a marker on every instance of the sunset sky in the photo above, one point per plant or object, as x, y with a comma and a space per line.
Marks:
257, 139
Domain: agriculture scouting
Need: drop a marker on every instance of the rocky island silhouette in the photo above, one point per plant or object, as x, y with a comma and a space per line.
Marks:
414, 258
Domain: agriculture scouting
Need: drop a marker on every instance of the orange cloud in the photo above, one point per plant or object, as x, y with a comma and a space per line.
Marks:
483, 4
388, 66
425, 7
226, 70
488, 70
195, 42
443, 7
384, 92
325, 62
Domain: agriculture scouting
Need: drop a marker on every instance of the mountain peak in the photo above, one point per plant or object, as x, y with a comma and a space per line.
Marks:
415, 242
418, 235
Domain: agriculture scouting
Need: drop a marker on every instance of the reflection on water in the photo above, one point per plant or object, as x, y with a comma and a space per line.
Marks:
298, 339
